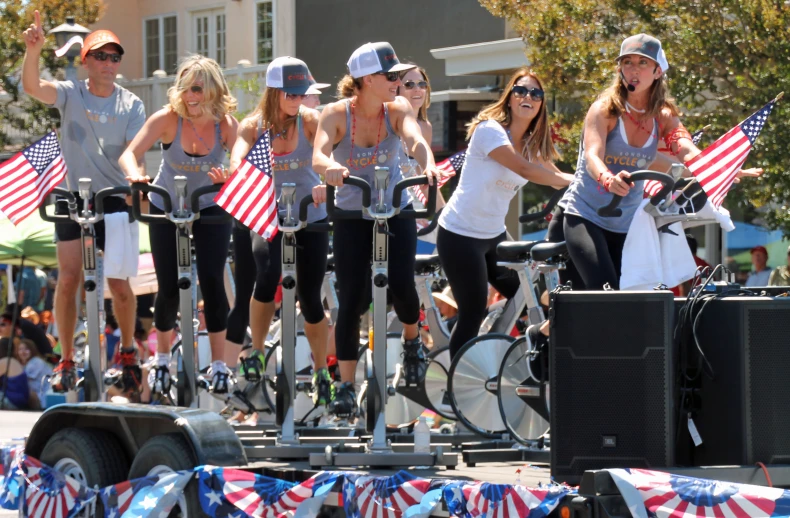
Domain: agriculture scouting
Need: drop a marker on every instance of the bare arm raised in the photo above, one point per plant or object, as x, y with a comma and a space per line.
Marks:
34, 86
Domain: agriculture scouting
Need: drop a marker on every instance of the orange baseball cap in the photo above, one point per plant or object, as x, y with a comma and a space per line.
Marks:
97, 39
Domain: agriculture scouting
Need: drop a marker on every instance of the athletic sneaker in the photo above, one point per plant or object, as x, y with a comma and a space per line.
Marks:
414, 365
345, 402
64, 377
159, 380
323, 388
220, 380
253, 366
132, 373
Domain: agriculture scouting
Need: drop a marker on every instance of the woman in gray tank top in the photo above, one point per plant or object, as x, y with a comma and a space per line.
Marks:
195, 129
292, 128
366, 128
622, 131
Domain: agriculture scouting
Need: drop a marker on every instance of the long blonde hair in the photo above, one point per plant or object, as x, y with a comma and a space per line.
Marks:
538, 141
616, 93
268, 110
422, 114
217, 100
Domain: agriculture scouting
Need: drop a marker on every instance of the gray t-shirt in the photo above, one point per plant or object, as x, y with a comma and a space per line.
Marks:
90, 124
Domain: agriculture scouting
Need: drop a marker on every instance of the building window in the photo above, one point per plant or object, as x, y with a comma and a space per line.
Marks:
161, 44
265, 31
210, 35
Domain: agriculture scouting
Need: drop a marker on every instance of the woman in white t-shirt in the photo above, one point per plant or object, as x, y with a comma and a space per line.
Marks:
509, 144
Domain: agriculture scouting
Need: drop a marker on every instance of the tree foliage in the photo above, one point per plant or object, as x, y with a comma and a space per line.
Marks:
22, 113
727, 59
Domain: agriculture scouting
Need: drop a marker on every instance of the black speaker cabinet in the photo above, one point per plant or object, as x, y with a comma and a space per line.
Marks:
744, 414
612, 381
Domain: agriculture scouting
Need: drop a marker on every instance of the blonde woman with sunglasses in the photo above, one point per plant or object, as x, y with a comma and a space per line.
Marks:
196, 129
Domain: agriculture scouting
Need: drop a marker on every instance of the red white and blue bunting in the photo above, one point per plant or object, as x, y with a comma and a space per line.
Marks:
223, 492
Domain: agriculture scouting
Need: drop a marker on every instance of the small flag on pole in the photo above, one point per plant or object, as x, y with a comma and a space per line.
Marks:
249, 194
29, 176
449, 166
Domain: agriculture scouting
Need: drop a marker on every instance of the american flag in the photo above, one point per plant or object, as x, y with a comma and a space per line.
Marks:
716, 167
29, 176
51, 494
249, 194
483, 499
450, 166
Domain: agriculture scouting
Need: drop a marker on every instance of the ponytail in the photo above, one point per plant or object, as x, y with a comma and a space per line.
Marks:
348, 86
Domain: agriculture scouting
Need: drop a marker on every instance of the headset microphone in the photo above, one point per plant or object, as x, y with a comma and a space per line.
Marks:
630, 87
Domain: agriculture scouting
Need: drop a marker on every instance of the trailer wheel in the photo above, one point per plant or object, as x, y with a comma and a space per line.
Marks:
165, 454
92, 457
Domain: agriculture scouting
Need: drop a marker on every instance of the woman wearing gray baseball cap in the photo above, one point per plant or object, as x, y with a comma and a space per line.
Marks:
621, 135
366, 127
293, 128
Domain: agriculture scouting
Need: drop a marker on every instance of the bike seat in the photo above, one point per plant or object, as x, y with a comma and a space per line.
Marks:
330, 263
515, 251
546, 250
426, 263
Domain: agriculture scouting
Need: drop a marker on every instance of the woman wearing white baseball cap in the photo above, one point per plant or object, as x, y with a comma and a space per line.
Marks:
621, 135
293, 128
366, 127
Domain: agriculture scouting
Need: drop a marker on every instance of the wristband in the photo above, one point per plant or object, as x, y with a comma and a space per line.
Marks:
605, 179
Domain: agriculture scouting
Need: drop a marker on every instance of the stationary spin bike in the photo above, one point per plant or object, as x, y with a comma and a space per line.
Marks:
378, 451
93, 382
186, 381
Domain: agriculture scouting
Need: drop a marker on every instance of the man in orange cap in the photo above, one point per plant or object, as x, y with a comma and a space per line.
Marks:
98, 118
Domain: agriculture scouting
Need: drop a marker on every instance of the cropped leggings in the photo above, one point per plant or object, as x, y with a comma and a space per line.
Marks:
470, 265
353, 249
312, 248
244, 277
211, 242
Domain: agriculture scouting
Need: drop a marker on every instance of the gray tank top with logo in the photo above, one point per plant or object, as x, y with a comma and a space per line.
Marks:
175, 162
363, 164
297, 167
585, 196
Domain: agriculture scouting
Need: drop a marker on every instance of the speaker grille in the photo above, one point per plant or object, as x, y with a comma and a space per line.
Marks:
768, 332
611, 382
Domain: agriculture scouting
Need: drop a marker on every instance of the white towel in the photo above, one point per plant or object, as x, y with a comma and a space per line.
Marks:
721, 215
650, 259
121, 246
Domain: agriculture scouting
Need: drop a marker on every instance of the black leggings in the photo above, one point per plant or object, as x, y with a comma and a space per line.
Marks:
597, 254
470, 264
556, 234
353, 248
211, 250
311, 251
244, 279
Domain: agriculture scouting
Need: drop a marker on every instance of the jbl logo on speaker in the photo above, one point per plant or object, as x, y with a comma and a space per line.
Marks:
609, 441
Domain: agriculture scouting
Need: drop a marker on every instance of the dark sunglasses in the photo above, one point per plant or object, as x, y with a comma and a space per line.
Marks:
195, 89
391, 76
293, 97
409, 85
100, 55
520, 92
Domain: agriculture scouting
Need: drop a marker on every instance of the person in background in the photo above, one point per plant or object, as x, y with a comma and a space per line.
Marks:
36, 370
30, 288
14, 392
761, 274
311, 101
448, 308
781, 275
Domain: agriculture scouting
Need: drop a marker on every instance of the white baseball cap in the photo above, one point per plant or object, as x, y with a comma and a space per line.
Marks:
375, 57
292, 76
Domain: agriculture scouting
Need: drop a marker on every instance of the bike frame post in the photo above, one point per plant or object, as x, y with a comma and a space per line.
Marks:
93, 380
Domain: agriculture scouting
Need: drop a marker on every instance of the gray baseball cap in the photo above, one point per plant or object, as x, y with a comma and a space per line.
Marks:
647, 46
292, 76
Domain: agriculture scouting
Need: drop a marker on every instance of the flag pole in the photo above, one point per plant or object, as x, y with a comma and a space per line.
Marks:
781, 94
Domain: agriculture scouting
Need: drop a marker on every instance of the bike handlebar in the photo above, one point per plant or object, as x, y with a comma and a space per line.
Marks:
336, 213
425, 213
55, 218
612, 211
195, 203
140, 187
546, 210
311, 227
